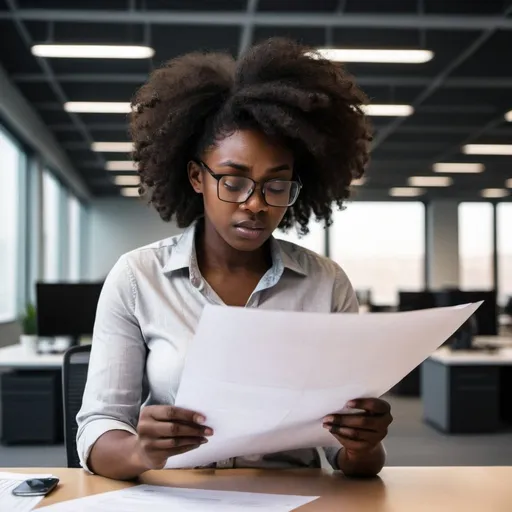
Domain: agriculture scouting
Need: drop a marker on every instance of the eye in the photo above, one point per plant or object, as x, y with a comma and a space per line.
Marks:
234, 183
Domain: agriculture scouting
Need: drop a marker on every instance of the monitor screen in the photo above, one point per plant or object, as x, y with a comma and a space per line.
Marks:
67, 309
411, 301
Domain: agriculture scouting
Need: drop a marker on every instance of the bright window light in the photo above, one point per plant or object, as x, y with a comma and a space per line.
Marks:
494, 193
508, 116
430, 181
112, 147
508, 183
130, 192
121, 165
388, 110
97, 107
406, 192
487, 149
127, 181
455, 167
86, 51
377, 55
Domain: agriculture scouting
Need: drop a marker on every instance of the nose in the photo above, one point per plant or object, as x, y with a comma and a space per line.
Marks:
256, 202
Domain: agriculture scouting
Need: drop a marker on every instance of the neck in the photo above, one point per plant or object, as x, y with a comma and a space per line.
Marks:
213, 252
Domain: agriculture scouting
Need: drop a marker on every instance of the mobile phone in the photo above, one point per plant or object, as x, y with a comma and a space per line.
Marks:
36, 487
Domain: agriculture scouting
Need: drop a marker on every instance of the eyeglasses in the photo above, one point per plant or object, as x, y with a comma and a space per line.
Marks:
238, 189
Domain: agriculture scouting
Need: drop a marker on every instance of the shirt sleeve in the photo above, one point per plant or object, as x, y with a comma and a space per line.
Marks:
344, 300
112, 396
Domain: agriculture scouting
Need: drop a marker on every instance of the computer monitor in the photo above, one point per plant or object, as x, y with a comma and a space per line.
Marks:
67, 309
411, 301
486, 315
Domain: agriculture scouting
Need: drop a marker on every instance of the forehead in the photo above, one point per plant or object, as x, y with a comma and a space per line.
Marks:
250, 147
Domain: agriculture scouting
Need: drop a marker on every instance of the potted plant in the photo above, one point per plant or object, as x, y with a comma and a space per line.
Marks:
28, 320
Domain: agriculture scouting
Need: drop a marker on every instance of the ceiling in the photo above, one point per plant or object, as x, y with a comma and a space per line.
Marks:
460, 96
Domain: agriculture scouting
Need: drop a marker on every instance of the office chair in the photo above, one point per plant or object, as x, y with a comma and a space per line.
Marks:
74, 377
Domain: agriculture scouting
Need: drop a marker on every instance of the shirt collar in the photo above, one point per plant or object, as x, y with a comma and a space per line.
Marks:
183, 255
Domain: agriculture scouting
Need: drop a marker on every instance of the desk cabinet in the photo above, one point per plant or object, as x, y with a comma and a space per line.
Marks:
32, 407
461, 399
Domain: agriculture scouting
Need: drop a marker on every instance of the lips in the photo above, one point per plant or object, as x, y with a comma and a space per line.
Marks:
248, 224
250, 230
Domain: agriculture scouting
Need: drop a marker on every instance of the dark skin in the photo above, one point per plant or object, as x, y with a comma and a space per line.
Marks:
232, 259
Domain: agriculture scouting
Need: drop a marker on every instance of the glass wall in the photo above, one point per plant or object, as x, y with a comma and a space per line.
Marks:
51, 227
504, 221
381, 247
475, 246
11, 158
74, 238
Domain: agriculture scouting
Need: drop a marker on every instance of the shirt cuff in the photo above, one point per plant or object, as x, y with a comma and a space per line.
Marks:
331, 454
92, 432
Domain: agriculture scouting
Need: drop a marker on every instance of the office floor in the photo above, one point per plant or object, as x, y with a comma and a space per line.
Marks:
410, 443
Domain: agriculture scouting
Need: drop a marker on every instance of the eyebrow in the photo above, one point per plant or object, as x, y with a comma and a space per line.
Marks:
245, 168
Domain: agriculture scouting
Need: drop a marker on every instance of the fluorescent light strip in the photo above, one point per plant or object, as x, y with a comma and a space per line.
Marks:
376, 55
487, 149
508, 116
406, 192
130, 192
120, 165
92, 51
112, 147
388, 110
508, 183
430, 181
97, 107
494, 193
127, 181
462, 167
358, 182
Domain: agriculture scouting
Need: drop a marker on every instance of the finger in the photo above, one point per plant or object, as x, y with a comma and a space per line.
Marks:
353, 446
372, 423
353, 434
170, 444
170, 413
371, 405
173, 429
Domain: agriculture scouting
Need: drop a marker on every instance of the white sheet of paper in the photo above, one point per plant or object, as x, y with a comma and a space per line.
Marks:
265, 379
164, 499
11, 503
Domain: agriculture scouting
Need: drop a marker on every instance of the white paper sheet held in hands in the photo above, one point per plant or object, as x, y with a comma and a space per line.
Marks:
265, 379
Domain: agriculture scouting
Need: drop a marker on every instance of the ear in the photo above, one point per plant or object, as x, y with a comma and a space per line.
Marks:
195, 177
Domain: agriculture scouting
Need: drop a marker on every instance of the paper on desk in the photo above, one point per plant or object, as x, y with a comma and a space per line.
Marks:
265, 379
11, 503
164, 499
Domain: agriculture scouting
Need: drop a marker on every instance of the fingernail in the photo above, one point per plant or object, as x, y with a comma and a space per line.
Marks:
208, 432
329, 419
325, 425
204, 441
198, 418
351, 404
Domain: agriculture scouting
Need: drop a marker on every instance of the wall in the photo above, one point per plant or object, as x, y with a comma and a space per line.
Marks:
118, 225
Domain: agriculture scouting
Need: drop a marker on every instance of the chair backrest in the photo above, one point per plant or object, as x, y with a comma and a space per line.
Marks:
74, 377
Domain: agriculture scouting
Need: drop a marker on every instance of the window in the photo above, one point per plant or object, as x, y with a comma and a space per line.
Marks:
11, 159
381, 247
74, 238
475, 246
51, 227
314, 240
504, 221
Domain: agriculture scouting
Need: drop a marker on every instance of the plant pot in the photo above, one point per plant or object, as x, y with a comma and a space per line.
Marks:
29, 343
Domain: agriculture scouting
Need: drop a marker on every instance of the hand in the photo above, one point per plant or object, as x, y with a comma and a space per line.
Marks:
361, 433
164, 431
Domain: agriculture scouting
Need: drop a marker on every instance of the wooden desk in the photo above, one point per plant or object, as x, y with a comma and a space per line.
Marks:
460, 489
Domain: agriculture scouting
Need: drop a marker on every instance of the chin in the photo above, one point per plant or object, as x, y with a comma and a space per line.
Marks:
241, 243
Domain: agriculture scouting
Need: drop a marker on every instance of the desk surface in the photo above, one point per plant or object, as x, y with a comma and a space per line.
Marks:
15, 356
446, 489
502, 357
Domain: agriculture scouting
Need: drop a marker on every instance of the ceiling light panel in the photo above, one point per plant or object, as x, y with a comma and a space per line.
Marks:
87, 51
406, 192
494, 193
112, 147
130, 192
127, 181
376, 55
430, 181
487, 149
120, 165
387, 110
97, 107
456, 167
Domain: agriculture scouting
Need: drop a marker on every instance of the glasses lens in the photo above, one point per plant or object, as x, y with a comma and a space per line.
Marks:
235, 189
281, 192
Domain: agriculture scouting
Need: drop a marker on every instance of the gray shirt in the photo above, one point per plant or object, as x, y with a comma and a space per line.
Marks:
147, 314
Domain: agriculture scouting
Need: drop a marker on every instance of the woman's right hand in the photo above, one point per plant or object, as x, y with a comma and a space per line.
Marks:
165, 430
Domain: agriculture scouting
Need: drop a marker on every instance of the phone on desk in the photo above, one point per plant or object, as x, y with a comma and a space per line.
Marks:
36, 487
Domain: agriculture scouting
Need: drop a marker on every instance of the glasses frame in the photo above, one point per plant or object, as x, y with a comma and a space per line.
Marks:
218, 177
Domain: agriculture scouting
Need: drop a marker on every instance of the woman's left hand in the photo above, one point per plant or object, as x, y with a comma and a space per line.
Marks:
361, 433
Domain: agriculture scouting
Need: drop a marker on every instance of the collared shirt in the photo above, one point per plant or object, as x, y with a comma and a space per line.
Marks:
148, 312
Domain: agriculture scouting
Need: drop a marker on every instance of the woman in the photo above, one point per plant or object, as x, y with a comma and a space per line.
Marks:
231, 151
